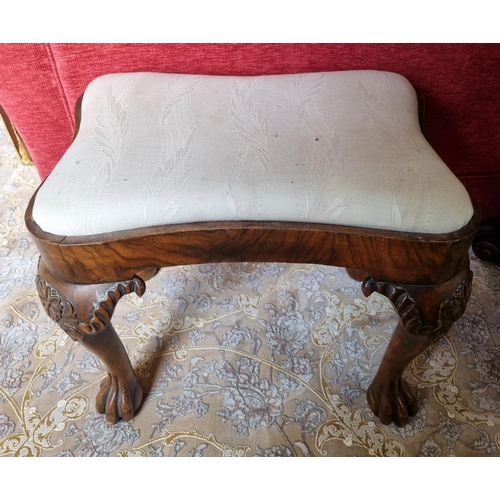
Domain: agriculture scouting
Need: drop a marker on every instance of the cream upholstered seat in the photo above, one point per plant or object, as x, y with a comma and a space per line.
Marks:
341, 148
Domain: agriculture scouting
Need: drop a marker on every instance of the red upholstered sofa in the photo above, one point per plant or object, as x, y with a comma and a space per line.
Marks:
459, 83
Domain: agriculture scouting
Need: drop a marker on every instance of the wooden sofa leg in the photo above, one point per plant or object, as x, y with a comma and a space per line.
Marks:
84, 312
426, 314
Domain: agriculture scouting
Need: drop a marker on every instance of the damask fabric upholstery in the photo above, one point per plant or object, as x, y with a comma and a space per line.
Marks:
339, 147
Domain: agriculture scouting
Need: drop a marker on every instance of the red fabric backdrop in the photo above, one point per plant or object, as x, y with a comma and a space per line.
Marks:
39, 84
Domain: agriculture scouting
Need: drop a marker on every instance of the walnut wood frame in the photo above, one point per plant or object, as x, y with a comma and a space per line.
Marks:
426, 276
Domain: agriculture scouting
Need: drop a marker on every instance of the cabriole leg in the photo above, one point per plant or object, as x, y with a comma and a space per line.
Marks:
426, 314
389, 396
120, 394
84, 312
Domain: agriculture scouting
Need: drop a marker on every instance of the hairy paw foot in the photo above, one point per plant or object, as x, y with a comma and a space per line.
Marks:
118, 398
392, 402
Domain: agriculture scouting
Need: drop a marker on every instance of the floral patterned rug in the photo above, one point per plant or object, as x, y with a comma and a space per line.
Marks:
237, 360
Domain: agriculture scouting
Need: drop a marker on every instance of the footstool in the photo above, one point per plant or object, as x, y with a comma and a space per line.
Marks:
325, 168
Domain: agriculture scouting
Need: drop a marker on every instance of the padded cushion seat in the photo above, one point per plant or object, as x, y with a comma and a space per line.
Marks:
339, 148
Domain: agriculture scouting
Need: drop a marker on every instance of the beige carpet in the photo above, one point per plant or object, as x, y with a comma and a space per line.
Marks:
237, 360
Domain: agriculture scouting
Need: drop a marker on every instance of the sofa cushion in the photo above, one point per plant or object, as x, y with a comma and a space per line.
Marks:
339, 148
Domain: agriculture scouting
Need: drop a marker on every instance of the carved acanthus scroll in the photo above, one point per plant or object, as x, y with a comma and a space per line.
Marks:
450, 309
63, 311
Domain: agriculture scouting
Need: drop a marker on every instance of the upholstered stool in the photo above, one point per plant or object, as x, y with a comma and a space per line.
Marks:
326, 168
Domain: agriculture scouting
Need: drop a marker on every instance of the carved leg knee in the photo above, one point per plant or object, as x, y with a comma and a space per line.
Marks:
84, 312
426, 314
